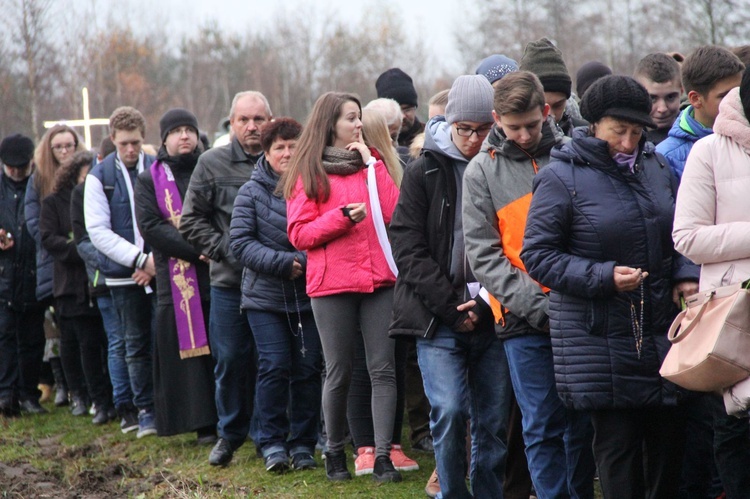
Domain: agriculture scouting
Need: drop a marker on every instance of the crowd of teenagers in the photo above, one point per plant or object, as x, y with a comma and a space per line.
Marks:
502, 277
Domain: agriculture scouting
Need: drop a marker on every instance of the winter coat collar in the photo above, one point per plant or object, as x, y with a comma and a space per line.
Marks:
686, 127
732, 121
588, 150
437, 138
265, 176
497, 142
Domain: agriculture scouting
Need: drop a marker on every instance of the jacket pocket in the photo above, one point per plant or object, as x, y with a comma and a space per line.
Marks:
598, 317
316, 268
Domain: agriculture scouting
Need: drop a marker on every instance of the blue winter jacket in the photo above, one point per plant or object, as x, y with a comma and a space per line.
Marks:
587, 215
684, 133
258, 239
44, 261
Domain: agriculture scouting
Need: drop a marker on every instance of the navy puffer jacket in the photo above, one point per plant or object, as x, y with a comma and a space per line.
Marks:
259, 240
587, 215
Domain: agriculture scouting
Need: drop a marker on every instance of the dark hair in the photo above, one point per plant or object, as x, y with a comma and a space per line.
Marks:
658, 67
67, 176
106, 147
706, 66
518, 92
319, 132
279, 128
743, 52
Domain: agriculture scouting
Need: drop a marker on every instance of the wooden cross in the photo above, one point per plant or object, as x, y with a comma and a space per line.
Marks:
87, 122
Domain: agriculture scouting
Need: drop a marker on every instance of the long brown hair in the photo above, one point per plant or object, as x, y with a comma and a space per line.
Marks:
46, 163
375, 133
319, 132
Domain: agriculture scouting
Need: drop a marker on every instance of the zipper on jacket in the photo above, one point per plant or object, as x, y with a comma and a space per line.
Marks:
429, 327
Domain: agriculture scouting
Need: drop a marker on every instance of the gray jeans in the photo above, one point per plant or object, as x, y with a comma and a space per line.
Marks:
339, 319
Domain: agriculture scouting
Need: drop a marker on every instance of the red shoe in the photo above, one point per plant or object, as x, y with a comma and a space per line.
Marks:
400, 461
365, 462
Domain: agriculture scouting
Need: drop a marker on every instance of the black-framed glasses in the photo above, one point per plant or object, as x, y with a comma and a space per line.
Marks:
464, 131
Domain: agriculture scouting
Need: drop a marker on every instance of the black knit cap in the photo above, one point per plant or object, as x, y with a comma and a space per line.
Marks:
619, 97
588, 74
174, 118
745, 92
16, 150
545, 60
397, 85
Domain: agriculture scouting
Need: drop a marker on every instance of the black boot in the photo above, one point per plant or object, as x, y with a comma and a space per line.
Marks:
61, 387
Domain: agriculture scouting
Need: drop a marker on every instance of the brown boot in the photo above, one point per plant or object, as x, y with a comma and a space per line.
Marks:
46, 393
432, 489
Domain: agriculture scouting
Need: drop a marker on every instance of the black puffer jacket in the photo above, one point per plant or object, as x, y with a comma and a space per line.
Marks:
587, 215
18, 264
258, 235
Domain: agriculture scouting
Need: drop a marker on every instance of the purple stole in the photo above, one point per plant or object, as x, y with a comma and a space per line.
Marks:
191, 328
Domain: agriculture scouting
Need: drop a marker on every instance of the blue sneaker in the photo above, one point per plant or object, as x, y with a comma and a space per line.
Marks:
146, 424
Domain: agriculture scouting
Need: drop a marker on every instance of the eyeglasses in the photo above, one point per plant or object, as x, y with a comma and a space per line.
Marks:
63, 147
467, 132
187, 130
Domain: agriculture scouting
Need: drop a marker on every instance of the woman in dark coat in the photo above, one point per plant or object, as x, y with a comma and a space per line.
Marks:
288, 390
183, 373
84, 343
598, 234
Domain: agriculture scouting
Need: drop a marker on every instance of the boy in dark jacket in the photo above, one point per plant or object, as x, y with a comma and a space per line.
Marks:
462, 360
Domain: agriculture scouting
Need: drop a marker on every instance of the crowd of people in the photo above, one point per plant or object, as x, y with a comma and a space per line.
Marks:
503, 275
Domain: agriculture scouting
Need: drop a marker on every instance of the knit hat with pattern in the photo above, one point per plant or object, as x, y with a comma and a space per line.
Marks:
545, 60
496, 66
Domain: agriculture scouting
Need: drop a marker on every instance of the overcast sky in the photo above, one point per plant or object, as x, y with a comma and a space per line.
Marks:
422, 18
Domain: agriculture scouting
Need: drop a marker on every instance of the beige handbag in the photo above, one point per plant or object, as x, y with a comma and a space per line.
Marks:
711, 340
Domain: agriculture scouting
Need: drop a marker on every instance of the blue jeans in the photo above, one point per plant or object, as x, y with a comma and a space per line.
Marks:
466, 376
558, 440
137, 311
288, 390
233, 349
122, 394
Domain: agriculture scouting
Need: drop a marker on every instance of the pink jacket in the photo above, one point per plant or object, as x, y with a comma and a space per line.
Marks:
342, 257
712, 216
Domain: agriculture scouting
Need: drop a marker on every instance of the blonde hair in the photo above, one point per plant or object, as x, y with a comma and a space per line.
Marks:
45, 161
375, 132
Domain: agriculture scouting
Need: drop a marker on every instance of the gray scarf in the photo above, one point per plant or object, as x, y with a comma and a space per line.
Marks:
337, 161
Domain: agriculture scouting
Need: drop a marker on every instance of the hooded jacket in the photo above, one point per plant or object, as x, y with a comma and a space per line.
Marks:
712, 218
424, 242
497, 194
259, 241
587, 215
685, 132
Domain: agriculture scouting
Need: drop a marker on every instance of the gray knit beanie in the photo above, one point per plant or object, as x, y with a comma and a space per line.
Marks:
470, 99
545, 60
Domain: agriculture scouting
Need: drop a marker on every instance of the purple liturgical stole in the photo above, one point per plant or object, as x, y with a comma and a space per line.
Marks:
191, 328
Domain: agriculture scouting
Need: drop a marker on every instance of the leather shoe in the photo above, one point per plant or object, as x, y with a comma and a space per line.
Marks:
221, 454
32, 407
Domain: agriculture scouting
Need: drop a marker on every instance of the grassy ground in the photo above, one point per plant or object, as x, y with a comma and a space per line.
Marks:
58, 455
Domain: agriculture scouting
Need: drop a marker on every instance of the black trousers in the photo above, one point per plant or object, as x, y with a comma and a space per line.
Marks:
21, 351
83, 352
639, 451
